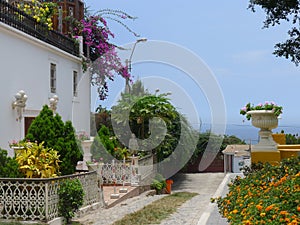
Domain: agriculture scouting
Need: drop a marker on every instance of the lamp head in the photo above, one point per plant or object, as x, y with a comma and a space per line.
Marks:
141, 40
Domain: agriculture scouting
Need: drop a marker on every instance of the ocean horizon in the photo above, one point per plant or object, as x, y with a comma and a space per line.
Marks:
249, 133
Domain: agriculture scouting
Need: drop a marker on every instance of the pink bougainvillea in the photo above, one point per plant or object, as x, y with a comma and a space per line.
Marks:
102, 57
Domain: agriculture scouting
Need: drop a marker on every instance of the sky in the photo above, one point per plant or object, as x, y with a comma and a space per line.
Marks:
228, 41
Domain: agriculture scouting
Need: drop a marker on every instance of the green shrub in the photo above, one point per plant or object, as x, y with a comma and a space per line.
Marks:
58, 135
70, 198
158, 183
9, 167
105, 145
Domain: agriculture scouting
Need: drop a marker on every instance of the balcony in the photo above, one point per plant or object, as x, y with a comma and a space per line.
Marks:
16, 18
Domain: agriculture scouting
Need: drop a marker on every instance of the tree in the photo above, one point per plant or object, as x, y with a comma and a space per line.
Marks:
276, 12
58, 135
9, 167
142, 108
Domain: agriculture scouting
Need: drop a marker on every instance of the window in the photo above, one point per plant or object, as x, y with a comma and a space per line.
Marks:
53, 77
75, 83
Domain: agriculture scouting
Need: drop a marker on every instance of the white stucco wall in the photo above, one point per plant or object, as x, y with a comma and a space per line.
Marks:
25, 65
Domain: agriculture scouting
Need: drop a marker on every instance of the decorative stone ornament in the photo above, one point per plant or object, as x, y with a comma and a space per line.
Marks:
86, 146
266, 120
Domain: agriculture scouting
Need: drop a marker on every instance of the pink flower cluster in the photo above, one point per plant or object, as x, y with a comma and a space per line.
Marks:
105, 60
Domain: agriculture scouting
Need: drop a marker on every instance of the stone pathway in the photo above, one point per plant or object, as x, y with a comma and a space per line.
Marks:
197, 211
205, 184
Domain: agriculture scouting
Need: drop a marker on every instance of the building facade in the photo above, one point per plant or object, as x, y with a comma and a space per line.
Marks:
46, 65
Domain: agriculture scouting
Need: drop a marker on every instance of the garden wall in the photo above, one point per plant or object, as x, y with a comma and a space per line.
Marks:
37, 199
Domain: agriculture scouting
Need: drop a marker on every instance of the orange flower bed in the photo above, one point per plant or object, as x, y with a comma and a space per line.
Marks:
266, 195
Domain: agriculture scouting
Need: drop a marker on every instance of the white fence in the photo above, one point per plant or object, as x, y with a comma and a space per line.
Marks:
37, 199
132, 171
115, 172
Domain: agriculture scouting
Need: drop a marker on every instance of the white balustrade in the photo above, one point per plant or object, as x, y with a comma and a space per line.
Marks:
37, 199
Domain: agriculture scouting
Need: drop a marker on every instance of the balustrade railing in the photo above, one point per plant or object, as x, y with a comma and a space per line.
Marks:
16, 18
120, 172
37, 199
116, 172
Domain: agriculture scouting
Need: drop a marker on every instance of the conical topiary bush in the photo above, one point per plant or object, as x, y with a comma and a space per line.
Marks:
58, 135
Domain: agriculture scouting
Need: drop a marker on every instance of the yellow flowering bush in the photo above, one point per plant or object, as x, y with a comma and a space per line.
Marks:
41, 12
265, 195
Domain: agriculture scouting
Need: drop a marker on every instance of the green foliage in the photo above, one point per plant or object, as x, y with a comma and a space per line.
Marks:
121, 153
9, 167
214, 139
104, 145
138, 89
143, 108
158, 183
70, 198
58, 135
229, 140
35, 161
70, 152
292, 139
101, 117
276, 12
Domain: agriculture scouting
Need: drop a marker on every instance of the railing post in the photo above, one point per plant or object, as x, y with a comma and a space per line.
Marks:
47, 201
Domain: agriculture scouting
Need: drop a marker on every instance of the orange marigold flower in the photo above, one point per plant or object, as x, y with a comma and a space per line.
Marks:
259, 207
283, 179
235, 211
298, 208
269, 207
284, 213
293, 222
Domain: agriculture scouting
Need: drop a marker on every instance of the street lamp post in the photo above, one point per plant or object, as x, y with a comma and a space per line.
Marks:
128, 63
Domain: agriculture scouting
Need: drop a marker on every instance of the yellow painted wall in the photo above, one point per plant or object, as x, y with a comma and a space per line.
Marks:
279, 138
273, 157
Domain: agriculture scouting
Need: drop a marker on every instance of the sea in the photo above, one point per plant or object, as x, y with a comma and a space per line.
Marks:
249, 133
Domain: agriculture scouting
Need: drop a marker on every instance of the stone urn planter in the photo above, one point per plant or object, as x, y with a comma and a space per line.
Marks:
86, 146
266, 120
17, 149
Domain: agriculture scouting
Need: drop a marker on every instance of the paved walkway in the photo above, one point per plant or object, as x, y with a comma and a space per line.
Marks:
197, 211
